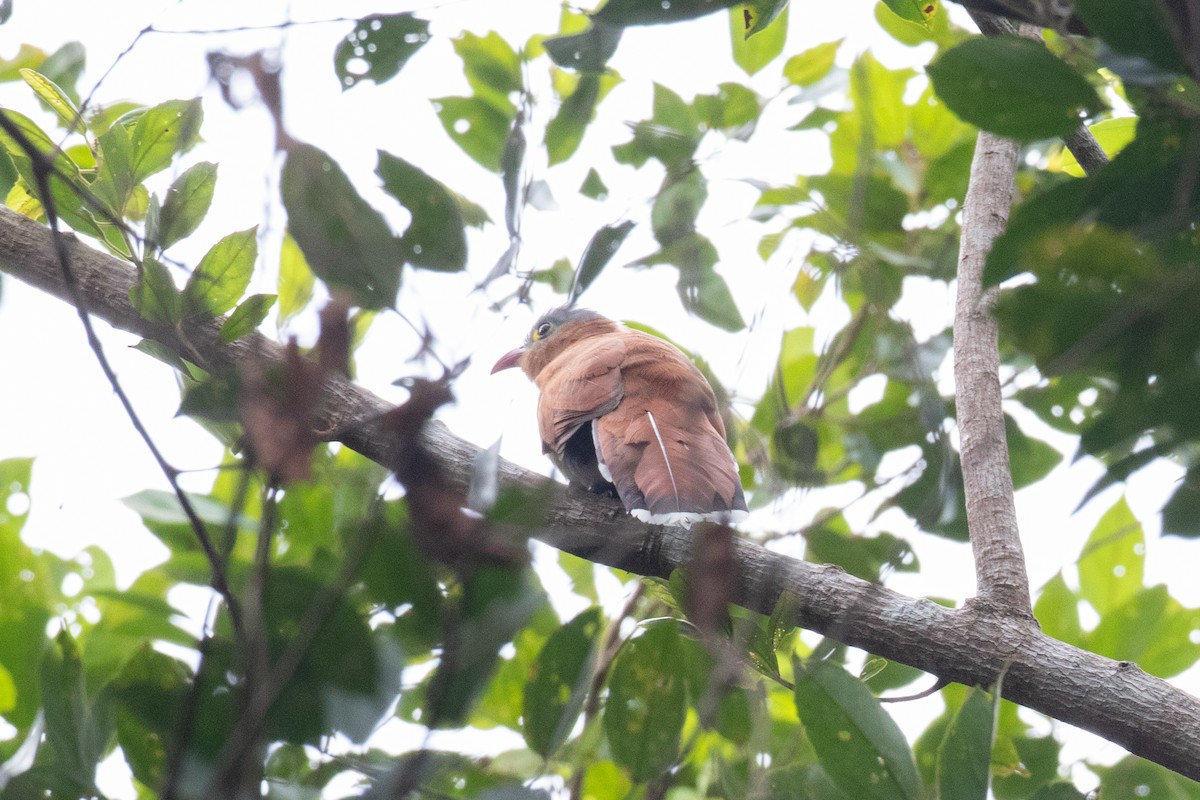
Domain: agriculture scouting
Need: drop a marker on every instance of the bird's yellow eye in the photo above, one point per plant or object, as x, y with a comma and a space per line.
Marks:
542, 331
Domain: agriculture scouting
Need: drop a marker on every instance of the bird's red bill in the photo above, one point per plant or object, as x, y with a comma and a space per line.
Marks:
509, 360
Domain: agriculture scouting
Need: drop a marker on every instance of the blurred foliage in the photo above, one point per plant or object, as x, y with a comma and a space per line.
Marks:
362, 623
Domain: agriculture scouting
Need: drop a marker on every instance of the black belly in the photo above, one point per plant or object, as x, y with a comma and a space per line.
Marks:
578, 462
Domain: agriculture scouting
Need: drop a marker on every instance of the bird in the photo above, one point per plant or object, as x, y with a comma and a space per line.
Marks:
625, 413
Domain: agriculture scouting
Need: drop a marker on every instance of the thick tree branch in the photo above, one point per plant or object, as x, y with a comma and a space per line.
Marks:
1113, 699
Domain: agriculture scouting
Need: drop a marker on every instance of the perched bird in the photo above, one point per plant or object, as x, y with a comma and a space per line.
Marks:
626, 412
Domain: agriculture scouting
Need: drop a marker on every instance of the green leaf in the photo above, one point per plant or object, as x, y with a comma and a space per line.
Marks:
166, 355
346, 242
604, 780
582, 574
868, 557
1181, 514
187, 203
559, 682
296, 280
759, 14
671, 135
8, 691
345, 661
565, 131
64, 66
758, 37
1136, 777
673, 215
27, 57
965, 754
1153, 37
599, 251
161, 133
1014, 87
115, 178
72, 732
378, 47
587, 51
476, 126
512, 159
66, 198
434, 238
647, 702
496, 603
150, 693
1112, 565
221, 277
593, 186
640, 12
492, 68
1057, 611
733, 109
706, 294
859, 745
808, 67
154, 295
50, 93
1111, 134
1032, 459
246, 318
918, 11
1058, 791
1152, 629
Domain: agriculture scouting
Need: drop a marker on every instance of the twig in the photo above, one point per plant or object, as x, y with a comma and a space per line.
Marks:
608, 652
187, 721
233, 777
249, 726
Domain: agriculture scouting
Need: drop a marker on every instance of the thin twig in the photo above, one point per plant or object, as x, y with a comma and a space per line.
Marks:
608, 652
187, 721
250, 725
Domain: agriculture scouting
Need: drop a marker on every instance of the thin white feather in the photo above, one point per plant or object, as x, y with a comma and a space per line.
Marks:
604, 471
666, 460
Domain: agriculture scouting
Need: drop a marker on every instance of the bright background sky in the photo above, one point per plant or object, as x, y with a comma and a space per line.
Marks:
60, 408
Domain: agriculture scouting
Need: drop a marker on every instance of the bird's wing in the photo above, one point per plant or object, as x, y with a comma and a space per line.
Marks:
665, 444
582, 383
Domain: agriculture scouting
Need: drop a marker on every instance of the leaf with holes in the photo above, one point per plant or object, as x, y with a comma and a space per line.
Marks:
378, 48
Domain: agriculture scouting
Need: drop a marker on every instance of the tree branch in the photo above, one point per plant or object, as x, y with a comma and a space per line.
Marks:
1116, 700
1002, 584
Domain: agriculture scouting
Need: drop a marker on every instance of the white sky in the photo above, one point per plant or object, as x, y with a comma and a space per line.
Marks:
88, 456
